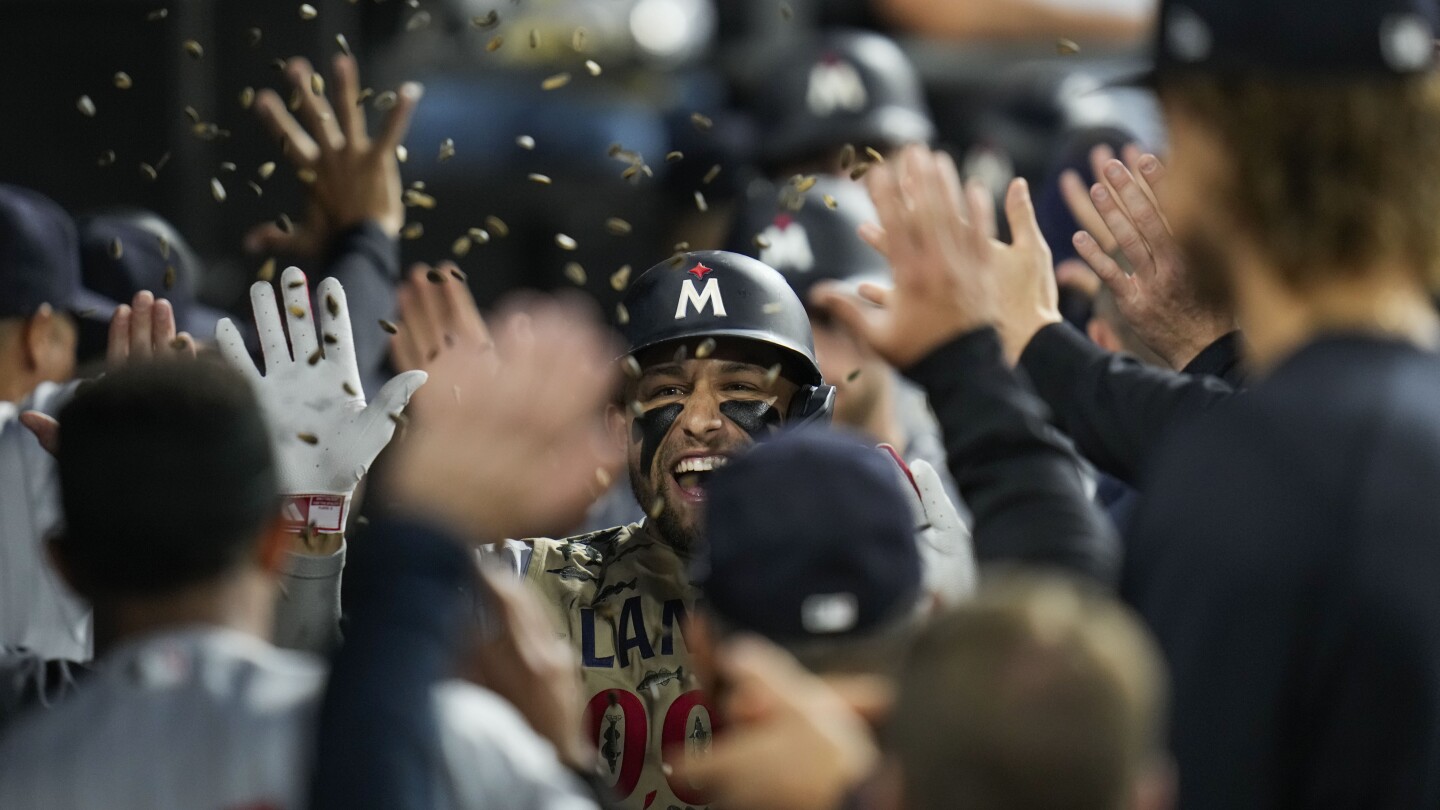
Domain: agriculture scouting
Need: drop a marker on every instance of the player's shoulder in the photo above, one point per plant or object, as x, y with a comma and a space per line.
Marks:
589, 547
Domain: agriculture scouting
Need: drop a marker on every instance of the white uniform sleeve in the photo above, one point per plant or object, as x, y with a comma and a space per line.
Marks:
307, 614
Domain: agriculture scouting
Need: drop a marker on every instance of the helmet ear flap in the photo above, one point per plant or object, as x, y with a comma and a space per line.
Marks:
811, 403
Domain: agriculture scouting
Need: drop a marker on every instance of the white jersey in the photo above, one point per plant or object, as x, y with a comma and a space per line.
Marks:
212, 719
37, 610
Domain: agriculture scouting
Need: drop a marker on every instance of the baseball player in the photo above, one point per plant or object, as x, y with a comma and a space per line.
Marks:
170, 474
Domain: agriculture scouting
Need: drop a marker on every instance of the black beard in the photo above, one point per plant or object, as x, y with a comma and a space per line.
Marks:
668, 527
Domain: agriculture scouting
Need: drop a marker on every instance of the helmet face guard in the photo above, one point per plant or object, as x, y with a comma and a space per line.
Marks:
716, 294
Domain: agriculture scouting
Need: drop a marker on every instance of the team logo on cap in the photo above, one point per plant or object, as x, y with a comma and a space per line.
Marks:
786, 246
835, 85
709, 295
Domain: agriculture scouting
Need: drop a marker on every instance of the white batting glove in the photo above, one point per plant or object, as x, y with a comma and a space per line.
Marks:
941, 536
325, 436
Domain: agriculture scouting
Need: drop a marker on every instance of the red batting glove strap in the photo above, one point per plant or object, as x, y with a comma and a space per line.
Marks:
324, 512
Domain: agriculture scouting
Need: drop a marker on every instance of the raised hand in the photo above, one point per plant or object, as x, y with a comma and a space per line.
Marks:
143, 330
951, 275
510, 439
1155, 296
436, 312
325, 435
356, 178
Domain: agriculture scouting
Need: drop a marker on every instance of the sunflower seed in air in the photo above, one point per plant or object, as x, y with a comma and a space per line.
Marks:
575, 273
254, 35
620, 278
602, 477
388, 326
555, 82
401, 153
216, 190
418, 20
772, 374
297, 311
631, 367
307, 11
681, 354
622, 315
497, 226
306, 176
123, 81
486, 20
700, 202
267, 270
636, 408
617, 226
116, 248
418, 199
365, 95
177, 343
847, 156
85, 106
255, 187
343, 43
772, 308
803, 183
701, 122
479, 236
1066, 47
434, 277
705, 349
194, 48
284, 223
829, 201
308, 438
593, 67
349, 389
534, 37
317, 84
315, 356
874, 154
157, 14
859, 170
447, 150
247, 98
657, 507
852, 376
169, 280
294, 103
386, 101
671, 157
107, 157
460, 247
543, 180
525, 142
495, 43
710, 175
577, 40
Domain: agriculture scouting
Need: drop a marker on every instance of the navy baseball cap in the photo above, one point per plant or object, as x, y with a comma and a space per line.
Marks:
40, 258
1297, 39
153, 256
808, 536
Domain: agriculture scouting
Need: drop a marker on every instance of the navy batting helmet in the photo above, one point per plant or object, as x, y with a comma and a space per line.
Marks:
718, 294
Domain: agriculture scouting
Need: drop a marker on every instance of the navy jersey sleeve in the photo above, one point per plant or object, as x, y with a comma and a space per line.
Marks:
366, 262
1020, 478
1114, 407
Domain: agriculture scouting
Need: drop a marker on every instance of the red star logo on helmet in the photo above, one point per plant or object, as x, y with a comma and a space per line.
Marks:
699, 270
782, 221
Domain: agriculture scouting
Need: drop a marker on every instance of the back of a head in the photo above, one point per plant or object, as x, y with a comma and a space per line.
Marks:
810, 543
1042, 694
166, 478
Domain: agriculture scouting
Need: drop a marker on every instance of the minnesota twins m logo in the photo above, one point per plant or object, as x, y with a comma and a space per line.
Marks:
709, 294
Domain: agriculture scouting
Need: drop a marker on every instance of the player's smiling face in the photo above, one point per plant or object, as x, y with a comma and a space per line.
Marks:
696, 413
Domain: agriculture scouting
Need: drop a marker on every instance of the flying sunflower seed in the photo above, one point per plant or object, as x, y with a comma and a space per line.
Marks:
494, 43
525, 142
107, 157
710, 175
266, 169
700, 202
656, 508
786, 12
539, 178
479, 236
247, 98
284, 223
705, 349
169, 280
575, 273
267, 270
534, 38
617, 226
614, 150
636, 408
458, 274
255, 187
555, 82
852, 376
681, 247
157, 14
123, 81
874, 154
486, 20
593, 67
577, 40
1066, 47
829, 201
460, 247
414, 230
349, 389
294, 285
85, 106
401, 153
859, 170
388, 326
343, 43
297, 311
447, 150
772, 374
317, 84
117, 249
847, 156
278, 64
294, 103
306, 176
681, 354
803, 184
307, 11
631, 367
333, 307
760, 242
497, 226
192, 114
701, 122
177, 343
418, 20
671, 157
365, 95
622, 315
308, 438
620, 278
602, 477
772, 307
254, 35
315, 356
386, 101
630, 172
194, 48
418, 199
216, 190
434, 277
